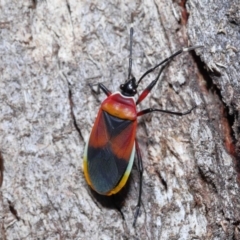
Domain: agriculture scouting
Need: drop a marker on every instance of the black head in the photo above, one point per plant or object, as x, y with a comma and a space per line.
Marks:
129, 88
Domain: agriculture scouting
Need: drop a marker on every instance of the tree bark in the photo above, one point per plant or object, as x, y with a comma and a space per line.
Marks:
51, 50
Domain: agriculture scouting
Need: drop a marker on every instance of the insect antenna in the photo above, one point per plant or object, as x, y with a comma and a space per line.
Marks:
130, 57
167, 60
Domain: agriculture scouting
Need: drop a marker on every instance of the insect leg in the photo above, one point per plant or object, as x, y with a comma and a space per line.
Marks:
166, 61
140, 170
149, 110
150, 86
102, 87
114, 201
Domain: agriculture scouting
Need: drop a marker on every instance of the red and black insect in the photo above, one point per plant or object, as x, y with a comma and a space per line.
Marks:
109, 153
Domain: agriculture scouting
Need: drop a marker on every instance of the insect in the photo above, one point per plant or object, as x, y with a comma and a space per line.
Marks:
112, 145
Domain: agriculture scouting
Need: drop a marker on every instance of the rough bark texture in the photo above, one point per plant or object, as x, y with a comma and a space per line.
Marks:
216, 24
51, 50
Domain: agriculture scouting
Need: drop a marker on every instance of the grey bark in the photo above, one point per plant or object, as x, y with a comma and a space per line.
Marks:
51, 50
217, 25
